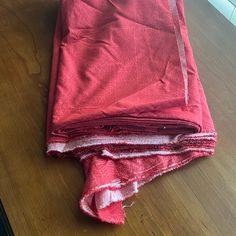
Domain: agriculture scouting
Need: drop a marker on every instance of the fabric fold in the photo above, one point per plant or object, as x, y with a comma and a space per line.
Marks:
125, 97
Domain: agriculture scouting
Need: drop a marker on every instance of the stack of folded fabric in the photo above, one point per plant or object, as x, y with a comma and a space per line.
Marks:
125, 98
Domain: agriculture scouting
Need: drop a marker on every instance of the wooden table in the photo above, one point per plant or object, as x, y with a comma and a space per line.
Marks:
41, 194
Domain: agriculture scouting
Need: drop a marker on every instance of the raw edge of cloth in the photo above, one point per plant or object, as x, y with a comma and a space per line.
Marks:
143, 179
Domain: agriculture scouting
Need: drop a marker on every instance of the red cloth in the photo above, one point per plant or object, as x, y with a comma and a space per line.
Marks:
125, 97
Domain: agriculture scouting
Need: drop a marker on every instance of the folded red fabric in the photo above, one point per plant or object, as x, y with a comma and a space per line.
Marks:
125, 97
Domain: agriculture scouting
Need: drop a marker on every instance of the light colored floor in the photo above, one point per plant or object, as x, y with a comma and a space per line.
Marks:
41, 194
227, 8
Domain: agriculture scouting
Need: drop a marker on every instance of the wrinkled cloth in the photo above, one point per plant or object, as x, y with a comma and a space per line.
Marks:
125, 97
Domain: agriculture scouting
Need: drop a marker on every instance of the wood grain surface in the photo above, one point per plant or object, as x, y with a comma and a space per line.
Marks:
41, 194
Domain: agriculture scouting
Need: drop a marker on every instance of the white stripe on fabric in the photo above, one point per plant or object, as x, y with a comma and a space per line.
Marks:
181, 48
146, 153
127, 139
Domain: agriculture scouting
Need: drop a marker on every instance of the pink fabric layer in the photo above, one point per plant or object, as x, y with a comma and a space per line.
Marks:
125, 98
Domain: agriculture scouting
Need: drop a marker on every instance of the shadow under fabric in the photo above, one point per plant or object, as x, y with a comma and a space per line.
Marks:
125, 98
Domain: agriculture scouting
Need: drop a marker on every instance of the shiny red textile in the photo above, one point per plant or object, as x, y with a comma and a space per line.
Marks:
125, 97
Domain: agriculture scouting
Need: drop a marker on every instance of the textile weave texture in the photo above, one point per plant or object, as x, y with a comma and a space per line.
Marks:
125, 97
